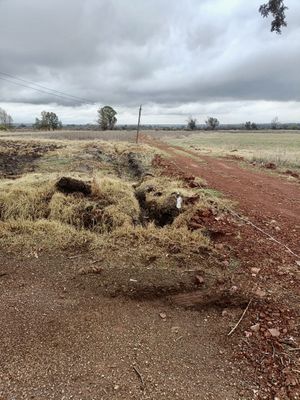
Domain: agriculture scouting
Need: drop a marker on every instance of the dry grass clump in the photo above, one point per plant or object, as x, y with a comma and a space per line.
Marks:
111, 205
71, 209
44, 235
168, 238
25, 201
118, 201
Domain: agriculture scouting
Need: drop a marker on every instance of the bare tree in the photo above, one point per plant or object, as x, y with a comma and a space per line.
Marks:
277, 9
6, 120
275, 123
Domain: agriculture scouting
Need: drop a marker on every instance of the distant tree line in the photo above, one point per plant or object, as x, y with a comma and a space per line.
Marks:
250, 126
106, 120
212, 124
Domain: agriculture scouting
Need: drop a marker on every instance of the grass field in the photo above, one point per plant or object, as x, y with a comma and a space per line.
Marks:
119, 136
281, 148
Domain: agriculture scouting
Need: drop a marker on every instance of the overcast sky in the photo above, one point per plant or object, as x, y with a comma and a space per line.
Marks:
178, 58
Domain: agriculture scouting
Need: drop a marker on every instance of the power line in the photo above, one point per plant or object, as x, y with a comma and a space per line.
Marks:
44, 89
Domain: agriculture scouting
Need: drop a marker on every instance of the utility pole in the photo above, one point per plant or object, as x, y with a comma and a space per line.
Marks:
138, 127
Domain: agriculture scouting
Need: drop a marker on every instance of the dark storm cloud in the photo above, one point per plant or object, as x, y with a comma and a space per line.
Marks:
160, 51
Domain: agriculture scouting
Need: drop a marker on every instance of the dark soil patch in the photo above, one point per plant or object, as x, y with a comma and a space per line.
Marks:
151, 211
135, 165
69, 185
128, 164
294, 174
17, 158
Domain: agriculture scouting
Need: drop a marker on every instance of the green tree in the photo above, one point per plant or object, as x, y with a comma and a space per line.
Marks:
107, 118
250, 126
212, 123
191, 124
277, 9
48, 121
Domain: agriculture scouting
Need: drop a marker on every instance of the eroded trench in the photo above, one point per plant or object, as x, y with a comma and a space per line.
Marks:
157, 204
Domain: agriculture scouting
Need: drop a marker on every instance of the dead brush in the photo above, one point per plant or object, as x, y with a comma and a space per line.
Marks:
27, 202
166, 238
44, 235
119, 204
111, 204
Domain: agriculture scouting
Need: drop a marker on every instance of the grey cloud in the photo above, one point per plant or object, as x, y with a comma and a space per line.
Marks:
151, 51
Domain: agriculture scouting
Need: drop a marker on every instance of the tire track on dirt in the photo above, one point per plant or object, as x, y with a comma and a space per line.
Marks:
271, 202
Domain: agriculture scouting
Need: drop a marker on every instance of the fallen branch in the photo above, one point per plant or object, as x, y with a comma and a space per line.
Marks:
240, 320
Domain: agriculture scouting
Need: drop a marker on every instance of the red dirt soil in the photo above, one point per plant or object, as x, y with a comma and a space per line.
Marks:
261, 197
259, 266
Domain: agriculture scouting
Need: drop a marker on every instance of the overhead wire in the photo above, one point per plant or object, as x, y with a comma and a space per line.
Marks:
42, 89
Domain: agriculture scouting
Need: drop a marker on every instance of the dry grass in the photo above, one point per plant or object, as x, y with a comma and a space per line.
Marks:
112, 204
108, 224
279, 147
26, 199
33, 212
43, 235
118, 200
76, 135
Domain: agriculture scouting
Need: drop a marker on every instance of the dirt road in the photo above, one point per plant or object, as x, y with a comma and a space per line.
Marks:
269, 201
62, 339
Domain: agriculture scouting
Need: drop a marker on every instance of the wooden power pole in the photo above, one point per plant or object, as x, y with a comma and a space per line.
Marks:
138, 126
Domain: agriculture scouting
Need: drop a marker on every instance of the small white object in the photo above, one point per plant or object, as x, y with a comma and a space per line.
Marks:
179, 202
